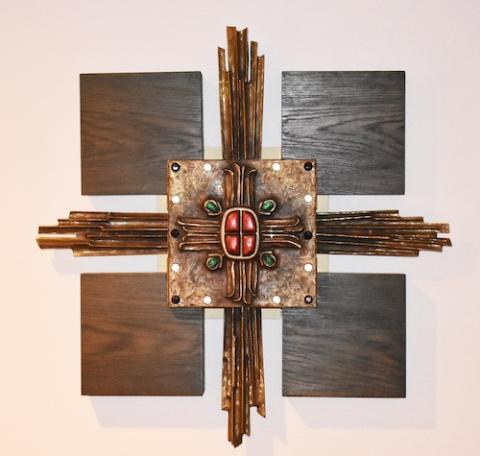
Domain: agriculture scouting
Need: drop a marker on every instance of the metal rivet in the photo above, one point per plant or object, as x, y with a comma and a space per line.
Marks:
175, 267
308, 198
308, 166
307, 235
175, 299
276, 299
175, 167
175, 199
308, 267
175, 233
207, 167
276, 166
308, 299
207, 300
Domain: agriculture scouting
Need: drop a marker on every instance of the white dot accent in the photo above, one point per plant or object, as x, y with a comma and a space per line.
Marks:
175, 199
308, 267
308, 198
207, 167
207, 300
175, 267
276, 166
276, 300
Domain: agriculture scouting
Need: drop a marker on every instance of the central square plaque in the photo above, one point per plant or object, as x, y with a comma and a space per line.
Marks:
241, 233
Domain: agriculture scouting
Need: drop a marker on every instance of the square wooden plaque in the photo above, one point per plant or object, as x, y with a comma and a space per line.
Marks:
132, 123
352, 344
352, 123
133, 343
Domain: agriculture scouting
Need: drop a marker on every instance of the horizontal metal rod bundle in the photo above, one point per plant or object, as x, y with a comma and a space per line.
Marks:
107, 233
383, 233
339, 233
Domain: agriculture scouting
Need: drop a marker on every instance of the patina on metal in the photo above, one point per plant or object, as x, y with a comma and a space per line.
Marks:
107, 233
262, 202
241, 113
378, 233
241, 254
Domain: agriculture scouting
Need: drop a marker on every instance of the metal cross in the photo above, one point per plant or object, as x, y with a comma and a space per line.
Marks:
229, 221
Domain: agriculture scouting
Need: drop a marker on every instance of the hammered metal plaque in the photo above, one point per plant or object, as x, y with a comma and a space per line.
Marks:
241, 233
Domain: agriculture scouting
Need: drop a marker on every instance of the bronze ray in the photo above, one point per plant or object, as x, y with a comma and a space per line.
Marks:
241, 110
377, 233
107, 233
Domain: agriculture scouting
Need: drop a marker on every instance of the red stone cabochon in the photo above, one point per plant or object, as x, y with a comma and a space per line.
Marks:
240, 231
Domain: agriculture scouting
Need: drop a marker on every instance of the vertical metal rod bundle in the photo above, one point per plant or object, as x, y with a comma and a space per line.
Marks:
241, 111
241, 97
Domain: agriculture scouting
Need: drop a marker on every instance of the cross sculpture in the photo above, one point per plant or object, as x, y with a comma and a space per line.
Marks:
242, 233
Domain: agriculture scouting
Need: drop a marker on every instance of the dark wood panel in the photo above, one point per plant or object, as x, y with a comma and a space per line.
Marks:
132, 123
352, 123
352, 344
133, 343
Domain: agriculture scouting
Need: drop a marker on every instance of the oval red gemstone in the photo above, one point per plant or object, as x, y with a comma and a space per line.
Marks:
248, 222
232, 224
232, 243
249, 243
240, 231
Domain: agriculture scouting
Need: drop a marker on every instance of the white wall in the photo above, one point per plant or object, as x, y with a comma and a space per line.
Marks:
44, 45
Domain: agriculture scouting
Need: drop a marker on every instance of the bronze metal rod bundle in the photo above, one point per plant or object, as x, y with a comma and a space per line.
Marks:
107, 233
377, 233
241, 97
241, 112
242, 377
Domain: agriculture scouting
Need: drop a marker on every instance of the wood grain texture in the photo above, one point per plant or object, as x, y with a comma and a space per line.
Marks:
352, 344
131, 123
352, 123
133, 343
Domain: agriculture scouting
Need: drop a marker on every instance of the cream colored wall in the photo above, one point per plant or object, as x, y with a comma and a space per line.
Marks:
44, 45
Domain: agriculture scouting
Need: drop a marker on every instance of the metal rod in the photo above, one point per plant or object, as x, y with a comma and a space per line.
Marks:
241, 109
377, 233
